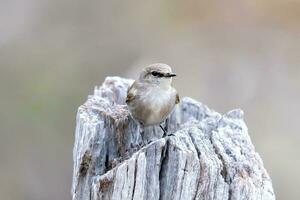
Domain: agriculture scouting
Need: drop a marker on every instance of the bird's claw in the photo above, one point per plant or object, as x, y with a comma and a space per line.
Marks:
171, 134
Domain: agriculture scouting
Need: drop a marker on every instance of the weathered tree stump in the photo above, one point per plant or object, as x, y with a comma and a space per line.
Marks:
209, 156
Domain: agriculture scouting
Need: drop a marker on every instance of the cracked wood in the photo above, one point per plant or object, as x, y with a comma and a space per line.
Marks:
209, 157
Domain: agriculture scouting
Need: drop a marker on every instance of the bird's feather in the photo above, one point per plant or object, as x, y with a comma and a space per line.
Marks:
130, 93
177, 101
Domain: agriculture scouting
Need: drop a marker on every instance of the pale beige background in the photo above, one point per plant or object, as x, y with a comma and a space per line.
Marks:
227, 54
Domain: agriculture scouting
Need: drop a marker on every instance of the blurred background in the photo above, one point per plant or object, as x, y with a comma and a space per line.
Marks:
227, 54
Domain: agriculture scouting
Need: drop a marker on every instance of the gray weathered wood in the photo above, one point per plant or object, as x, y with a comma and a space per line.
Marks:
210, 156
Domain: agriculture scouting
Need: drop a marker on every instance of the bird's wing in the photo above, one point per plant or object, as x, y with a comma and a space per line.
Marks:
131, 93
177, 101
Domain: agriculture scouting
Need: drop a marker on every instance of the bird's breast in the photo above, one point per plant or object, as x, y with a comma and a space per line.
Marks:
155, 106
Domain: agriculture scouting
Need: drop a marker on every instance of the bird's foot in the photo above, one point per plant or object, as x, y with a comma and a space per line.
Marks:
171, 134
165, 132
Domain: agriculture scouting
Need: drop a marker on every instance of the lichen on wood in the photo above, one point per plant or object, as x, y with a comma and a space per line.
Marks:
209, 156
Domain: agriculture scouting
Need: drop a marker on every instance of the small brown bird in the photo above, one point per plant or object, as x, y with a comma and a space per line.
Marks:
151, 98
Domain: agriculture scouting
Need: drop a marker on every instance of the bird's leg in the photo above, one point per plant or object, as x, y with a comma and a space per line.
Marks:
142, 131
165, 132
166, 125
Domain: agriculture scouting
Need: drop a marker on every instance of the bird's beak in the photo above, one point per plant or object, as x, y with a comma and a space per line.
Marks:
170, 74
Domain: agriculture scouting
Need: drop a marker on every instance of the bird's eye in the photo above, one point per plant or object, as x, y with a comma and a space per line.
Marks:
154, 73
157, 74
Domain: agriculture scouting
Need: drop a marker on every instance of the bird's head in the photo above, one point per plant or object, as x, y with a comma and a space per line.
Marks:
158, 74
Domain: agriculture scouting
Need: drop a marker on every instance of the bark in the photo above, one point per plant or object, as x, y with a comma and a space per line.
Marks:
208, 155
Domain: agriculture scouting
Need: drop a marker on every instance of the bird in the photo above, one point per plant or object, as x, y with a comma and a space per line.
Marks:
151, 98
